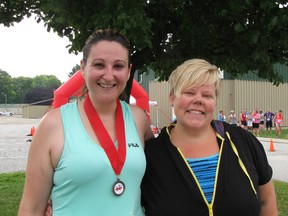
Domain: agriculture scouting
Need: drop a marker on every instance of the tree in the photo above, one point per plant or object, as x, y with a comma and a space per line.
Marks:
46, 81
21, 85
43, 89
74, 70
15, 10
39, 96
6, 89
23, 89
238, 36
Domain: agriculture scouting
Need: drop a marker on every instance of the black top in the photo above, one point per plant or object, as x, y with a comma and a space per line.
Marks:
169, 187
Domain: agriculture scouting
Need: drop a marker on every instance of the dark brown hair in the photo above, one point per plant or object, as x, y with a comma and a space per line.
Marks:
104, 35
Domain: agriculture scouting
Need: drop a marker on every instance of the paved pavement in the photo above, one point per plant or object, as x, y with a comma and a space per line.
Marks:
14, 147
278, 159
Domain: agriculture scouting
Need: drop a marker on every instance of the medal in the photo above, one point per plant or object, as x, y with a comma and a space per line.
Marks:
118, 187
116, 157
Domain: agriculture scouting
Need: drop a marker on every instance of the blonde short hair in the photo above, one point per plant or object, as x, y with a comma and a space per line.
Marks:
193, 73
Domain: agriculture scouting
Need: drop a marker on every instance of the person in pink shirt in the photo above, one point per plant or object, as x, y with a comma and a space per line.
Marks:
256, 121
278, 122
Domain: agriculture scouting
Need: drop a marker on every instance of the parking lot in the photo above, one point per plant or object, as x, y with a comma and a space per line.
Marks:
13, 146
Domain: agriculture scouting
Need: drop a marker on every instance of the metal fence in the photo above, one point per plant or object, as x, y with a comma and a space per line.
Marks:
234, 95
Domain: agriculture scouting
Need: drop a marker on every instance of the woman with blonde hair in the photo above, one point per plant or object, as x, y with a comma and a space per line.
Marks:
201, 166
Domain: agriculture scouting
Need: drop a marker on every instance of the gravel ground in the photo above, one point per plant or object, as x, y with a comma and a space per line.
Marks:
13, 142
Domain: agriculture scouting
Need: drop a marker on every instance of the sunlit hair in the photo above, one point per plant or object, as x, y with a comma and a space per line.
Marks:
104, 35
193, 73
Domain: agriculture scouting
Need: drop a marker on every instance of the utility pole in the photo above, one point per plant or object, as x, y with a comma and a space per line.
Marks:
5, 95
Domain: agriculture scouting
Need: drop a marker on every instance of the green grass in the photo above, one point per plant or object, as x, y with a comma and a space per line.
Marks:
11, 188
282, 197
284, 134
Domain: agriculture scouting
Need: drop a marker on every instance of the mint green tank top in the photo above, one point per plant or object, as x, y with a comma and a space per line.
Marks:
84, 178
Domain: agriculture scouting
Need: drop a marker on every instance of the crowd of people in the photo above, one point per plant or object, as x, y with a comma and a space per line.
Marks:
255, 121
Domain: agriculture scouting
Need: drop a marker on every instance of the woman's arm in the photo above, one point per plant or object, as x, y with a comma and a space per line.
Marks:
40, 170
142, 123
268, 200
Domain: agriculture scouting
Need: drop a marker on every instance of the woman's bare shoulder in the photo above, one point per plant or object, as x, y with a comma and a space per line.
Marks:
142, 122
51, 119
50, 126
138, 113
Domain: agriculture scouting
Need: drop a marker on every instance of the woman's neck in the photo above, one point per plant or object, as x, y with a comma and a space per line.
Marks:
194, 144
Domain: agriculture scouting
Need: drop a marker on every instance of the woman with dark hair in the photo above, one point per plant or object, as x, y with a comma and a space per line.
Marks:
88, 155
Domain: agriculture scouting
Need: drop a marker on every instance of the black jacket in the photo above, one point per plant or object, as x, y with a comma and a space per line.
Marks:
169, 188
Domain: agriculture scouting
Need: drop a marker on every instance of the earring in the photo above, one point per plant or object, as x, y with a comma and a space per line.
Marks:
171, 105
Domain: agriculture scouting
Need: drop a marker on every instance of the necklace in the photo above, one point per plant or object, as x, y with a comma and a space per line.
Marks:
116, 157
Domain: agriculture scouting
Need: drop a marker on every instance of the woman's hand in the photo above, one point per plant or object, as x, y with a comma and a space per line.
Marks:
48, 210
